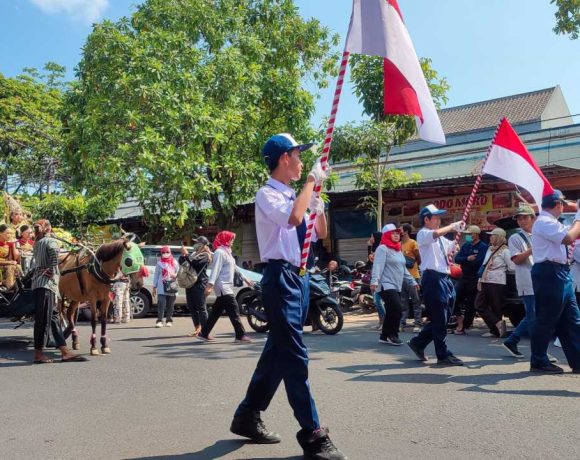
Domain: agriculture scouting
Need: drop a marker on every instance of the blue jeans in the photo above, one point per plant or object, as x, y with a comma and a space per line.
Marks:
285, 358
527, 324
556, 314
439, 298
379, 304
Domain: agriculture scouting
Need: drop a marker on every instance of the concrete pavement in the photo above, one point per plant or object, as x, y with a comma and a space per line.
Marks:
162, 396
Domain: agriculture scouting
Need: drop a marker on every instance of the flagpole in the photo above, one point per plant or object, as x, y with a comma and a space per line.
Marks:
324, 157
478, 180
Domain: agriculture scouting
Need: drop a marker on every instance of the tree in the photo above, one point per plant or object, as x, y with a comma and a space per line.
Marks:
172, 105
369, 144
30, 125
567, 17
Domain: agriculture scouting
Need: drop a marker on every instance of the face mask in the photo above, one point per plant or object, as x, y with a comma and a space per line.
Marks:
469, 238
165, 255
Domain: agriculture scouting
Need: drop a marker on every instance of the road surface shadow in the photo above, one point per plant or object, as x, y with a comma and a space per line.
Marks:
217, 450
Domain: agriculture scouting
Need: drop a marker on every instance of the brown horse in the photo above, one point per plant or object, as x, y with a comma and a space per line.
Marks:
87, 278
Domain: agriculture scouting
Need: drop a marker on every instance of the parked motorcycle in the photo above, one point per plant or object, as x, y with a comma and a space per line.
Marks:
324, 312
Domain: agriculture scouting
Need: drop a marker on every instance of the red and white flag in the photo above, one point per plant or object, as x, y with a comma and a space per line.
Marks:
510, 160
377, 29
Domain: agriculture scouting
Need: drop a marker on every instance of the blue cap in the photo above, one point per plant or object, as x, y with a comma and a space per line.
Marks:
431, 210
279, 144
552, 199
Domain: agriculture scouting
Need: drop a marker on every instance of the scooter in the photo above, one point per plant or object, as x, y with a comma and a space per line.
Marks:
324, 312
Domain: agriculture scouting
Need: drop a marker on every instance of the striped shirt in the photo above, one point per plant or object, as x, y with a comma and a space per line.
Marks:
45, 257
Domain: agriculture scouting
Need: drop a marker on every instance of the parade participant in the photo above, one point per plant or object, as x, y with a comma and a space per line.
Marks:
122, 300
436, 285
374, 242
410, 293
470, 258
25, 244
389, 271
281, 231
199, 260
221, 280
163, 281
16, 220
491, 284
575, 269
45, 289
9, 256
556, 308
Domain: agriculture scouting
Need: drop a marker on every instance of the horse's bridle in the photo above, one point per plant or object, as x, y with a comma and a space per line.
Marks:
93, 266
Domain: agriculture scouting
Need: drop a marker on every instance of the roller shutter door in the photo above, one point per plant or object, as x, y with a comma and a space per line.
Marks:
352, 249
250, 249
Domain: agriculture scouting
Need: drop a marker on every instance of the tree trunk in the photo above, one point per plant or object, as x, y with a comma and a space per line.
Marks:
379, 207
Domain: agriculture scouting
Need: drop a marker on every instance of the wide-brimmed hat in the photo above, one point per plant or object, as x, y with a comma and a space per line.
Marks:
472, 229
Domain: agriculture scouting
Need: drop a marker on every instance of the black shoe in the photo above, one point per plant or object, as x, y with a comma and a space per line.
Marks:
547, 369
395, 341
318, 446
450, 361
419, 352
251, 426
513, 350
576, 371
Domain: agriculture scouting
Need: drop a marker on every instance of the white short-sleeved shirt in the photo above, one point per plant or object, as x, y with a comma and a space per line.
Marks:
433, 256
277, 239
576, 266
547, 236
518, 245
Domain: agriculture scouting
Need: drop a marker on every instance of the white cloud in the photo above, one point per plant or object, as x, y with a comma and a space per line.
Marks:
81, 10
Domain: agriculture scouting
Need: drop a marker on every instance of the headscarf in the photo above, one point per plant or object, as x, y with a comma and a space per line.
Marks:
377, 237
224, 239
388, 242
169, 265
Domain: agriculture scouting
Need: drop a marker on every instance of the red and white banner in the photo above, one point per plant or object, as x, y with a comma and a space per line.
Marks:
510, 160
377, 29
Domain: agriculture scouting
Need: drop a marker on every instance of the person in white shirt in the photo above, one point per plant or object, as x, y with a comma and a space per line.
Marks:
575, 269
281, 231
556, 307
436, 285
491, 284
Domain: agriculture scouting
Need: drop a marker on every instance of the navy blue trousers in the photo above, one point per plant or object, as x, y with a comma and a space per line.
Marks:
285, 358
439, 298
556, 314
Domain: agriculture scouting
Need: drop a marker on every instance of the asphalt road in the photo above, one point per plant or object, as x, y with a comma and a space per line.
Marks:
161, 396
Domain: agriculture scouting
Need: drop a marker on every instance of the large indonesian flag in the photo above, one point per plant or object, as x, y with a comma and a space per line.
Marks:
377, 29
510, 160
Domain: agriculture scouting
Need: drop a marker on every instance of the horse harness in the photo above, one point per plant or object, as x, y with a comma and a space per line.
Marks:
93, 265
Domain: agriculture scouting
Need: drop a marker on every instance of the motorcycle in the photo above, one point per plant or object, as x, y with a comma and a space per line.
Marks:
324, 312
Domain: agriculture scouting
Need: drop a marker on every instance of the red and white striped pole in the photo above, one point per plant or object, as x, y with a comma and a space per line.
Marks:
324, 158
478, 180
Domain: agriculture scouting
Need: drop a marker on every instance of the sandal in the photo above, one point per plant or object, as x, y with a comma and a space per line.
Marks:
460, 332
193, 334
74, 359
43, 360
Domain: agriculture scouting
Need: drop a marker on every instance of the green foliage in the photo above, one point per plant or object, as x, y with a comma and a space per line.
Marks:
30, 126
172, 105
567, 18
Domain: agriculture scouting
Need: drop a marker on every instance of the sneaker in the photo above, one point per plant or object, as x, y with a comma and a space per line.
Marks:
576, 371
252, 426
416, 329
318, 446
203, 338
547, 369
159, 324
395, 341
512, 348
551, 358
450, 361
419, 352
243, 339
487, 335
169, 324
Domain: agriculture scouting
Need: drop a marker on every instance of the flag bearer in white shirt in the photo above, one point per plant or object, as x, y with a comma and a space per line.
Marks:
436, 285
281, 231
556, 308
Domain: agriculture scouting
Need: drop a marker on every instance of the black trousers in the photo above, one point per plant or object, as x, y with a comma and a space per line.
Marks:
45, 317
394, 310
489, 304
466, 292
229, 303
195, 297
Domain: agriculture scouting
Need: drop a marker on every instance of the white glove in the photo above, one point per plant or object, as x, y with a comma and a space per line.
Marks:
458, 226
318, 174
316, 205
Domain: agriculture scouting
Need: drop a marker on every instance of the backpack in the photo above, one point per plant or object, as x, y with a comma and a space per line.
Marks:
187, 275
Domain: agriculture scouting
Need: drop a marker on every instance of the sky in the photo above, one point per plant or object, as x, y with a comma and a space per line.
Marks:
485, 49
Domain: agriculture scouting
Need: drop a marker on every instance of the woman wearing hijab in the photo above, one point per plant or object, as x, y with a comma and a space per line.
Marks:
165, 276
492, 281
199, 260
389, 271
221, 280
374, 243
